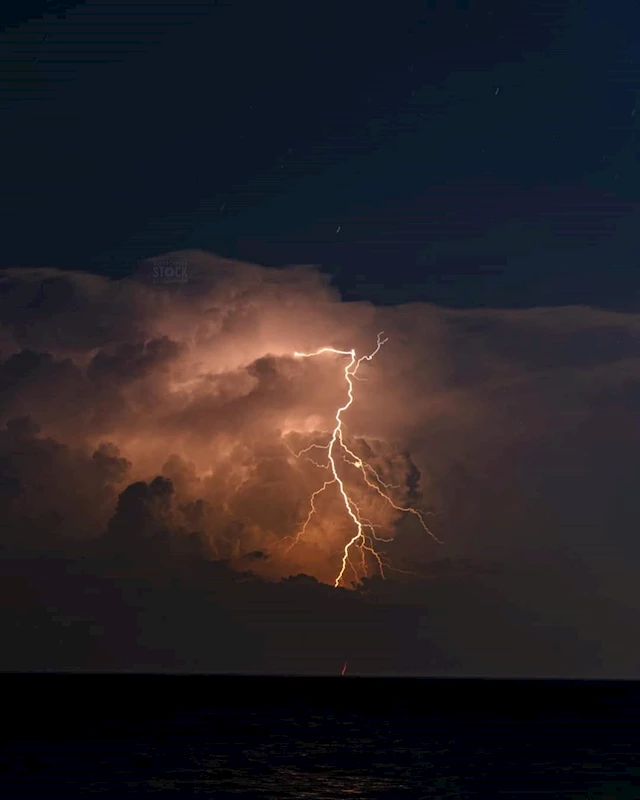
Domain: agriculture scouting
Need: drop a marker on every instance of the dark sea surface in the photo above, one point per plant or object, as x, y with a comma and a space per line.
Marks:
318, 738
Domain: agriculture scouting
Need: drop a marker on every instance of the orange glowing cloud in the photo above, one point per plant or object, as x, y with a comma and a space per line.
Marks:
278, 416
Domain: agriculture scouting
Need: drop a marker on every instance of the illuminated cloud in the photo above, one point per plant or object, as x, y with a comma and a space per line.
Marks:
158, 420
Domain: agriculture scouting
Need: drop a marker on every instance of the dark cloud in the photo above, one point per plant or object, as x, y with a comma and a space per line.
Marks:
69, 312
52, 492
131, 361
152, 480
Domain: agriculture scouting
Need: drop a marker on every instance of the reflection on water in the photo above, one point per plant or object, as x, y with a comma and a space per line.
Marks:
322, 757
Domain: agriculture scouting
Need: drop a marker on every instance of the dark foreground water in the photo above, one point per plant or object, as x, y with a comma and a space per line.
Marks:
281, 738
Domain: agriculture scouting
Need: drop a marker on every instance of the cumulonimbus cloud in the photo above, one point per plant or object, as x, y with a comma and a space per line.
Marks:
160, 416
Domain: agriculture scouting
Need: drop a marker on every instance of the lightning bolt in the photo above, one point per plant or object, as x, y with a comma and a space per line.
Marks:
364, 536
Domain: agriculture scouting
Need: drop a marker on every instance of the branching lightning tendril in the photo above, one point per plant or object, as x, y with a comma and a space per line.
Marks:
365, 535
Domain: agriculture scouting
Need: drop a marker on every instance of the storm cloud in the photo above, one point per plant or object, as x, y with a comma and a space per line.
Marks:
151, 485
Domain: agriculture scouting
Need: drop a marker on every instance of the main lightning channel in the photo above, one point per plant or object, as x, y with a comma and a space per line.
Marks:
360, 539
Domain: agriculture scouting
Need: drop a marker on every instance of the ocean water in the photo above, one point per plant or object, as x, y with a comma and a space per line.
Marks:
317, 738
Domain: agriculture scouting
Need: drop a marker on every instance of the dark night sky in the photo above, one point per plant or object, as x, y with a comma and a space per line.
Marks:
469, 171
472, 153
